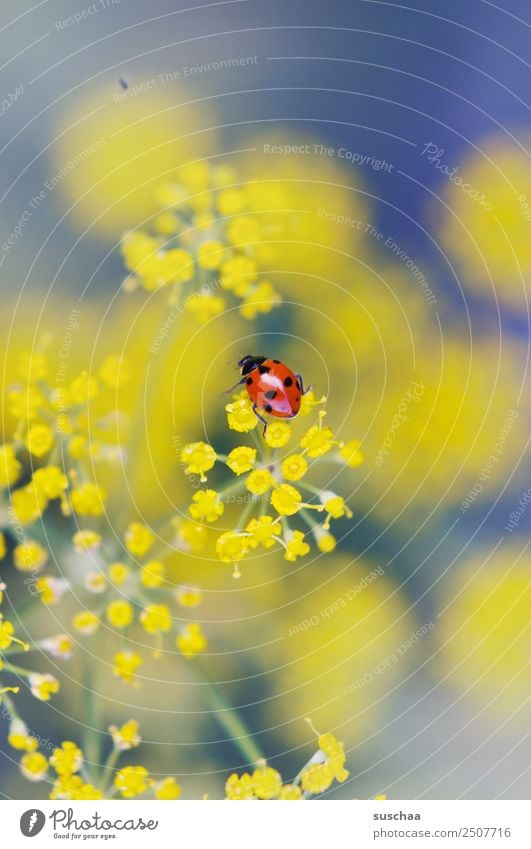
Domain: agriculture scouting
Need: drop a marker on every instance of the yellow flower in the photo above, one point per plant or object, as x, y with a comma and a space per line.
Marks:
86, 541
88, 499
43, 686
294, 467
33, 366
167, 789
166, 223
231, 201
204, 306
114, 371
131, 781
199, 457
39, 439
152, 574
286, 499
28, 503
125, 665
241, 416
267, 782
177, 266
296, 547
95, 582
25, 403
118, 573
191, 640
263, 531
189, 596
67, 759
335, 507
317, 778
20, 738
488, 197
483, 627
232, 547
50, 481
325, 541
238, 273
86, 622
6, 635
29, 556
33, 766
239, 788
6, 630
317, 441
308, 402
241, 460
78, 447
277, 434
290, 792
206, 505
119, 613
61, 646
190, 536
155, 618
335, 755
10, 467
244, 230
67, 787
83, 388
87, 793
260, 481
351, 453
261, 298
127, 736
138, 538
210, 255
50, 589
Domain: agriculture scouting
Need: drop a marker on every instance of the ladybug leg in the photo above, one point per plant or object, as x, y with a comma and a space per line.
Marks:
258, 416
304, 391
232, 388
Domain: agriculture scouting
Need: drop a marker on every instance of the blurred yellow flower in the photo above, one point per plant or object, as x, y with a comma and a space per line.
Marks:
483, 627
130, 144
486, 226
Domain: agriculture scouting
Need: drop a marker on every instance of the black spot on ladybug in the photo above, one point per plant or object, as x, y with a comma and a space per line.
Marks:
249, 381
263, 369
271, 393
276, 361
297, 400
268, 408
288, 381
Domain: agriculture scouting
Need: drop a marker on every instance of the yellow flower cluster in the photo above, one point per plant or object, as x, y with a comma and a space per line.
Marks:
326, 766
67, 762
267, 478
41, 685
51, 422
209, 240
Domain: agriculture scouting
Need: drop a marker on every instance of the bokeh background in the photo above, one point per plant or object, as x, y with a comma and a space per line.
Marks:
409, 264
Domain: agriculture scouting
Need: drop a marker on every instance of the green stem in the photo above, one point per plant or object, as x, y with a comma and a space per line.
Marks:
230, 720
11, 709
17, 670
91, 734
109, 766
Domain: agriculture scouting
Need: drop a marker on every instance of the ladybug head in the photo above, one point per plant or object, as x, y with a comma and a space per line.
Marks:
248, 363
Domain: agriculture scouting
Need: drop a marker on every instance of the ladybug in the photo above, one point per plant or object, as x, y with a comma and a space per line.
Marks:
272, 387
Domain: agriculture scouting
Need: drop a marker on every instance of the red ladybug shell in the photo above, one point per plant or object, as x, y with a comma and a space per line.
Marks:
273, 387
